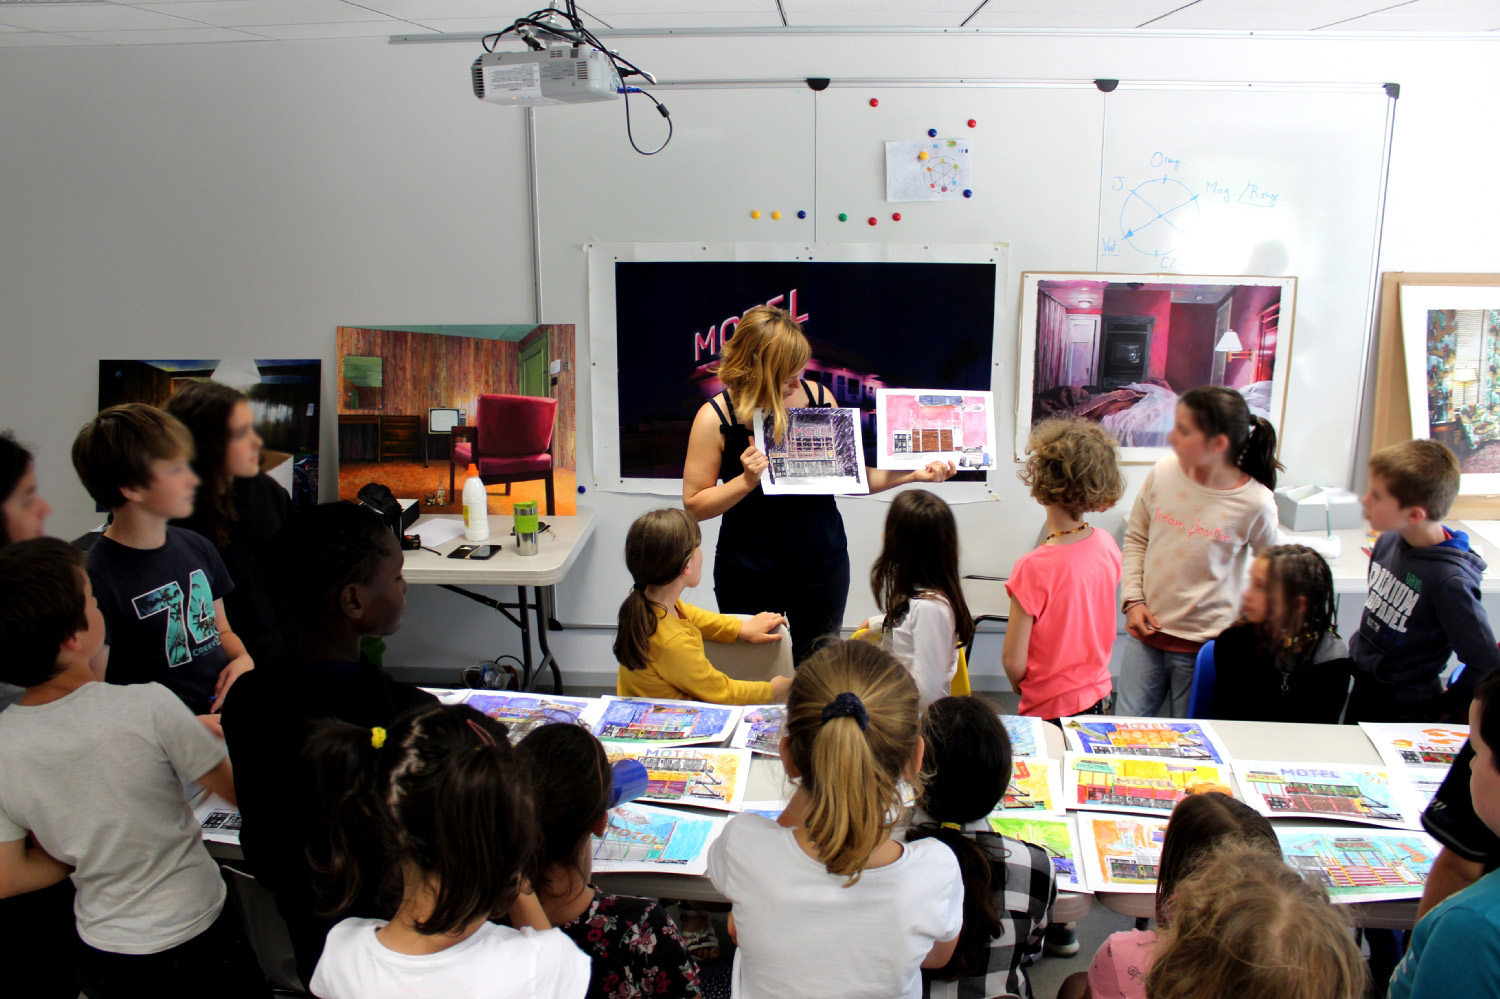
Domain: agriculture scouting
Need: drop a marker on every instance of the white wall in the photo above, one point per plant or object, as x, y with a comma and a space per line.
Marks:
246, 199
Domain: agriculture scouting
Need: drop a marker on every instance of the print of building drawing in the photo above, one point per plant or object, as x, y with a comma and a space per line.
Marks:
1101, 785
1428, 756
672, 776
648, 721
936, 426
1143, 740
628, 840
1359, 862
1292, 794
1132, 870
1017, 796
818, 443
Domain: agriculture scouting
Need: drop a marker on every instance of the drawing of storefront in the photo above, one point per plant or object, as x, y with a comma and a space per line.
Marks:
1291, 794
936, 427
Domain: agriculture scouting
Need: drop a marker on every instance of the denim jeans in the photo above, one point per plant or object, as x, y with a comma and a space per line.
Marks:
1153, 683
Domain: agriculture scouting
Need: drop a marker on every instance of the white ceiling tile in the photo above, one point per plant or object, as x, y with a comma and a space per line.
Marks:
1430, 15
458, 25
169, 36
6, 27
858, 7
249, 13
1046, 19
355, 29
1265, 15
29, 39
423, 10
877, 18
609, 7
720, 19
86, 17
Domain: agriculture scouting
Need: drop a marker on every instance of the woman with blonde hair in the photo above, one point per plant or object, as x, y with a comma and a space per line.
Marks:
782, 553
825, 901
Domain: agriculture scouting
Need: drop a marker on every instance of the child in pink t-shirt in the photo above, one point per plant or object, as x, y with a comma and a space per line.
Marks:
1062, 595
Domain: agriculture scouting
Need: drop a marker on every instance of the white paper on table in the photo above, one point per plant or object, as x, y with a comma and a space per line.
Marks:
448, 695
1377, 865
1168, 738
1417, 745
1326, 791
821, 453
700, 776
522, 711
1057, 835
1028, 736
1145, 785
659, 840
943, 174
1422, 787
218, 820
771, 808
647, 721
1120, 852
913, 425
437, 531
760, 729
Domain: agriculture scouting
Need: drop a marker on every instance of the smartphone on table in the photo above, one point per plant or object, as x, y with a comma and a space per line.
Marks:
462, 551
484, 551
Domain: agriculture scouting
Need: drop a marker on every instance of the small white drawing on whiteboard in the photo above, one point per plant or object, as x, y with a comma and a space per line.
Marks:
935, 170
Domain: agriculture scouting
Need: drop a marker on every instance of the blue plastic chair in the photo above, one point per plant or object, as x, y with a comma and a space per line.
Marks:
1201, 700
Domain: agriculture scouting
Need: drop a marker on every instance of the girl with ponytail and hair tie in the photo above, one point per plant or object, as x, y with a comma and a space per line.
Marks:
659, 645
1202, 512
825, 901
433, 818
1009, 886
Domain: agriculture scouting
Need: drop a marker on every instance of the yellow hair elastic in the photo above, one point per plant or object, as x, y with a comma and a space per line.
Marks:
377, 737
950, 825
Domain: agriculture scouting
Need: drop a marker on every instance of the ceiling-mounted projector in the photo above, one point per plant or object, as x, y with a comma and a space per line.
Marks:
558, 74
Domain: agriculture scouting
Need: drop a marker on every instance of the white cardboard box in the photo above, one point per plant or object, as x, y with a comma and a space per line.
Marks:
1314, 508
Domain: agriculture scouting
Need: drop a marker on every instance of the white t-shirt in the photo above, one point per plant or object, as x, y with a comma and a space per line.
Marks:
802, 932
926, 642
97, 777
496, 962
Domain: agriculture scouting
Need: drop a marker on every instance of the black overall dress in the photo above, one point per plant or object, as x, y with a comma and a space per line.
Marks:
784, 554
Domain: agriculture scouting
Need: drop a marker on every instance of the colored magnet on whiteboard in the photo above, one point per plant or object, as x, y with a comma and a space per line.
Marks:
895, 216
968, 194
922, 155
802, 215
972, 123
776, 216
874, 102
872, 220
755, 214
843, 216
932, 133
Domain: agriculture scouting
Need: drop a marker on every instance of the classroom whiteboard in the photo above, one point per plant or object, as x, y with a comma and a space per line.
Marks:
1045, 158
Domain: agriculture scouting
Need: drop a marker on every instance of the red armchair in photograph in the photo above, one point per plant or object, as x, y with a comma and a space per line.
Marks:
510, 441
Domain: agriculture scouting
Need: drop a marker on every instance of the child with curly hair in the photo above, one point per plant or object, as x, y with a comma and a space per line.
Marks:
1061, 630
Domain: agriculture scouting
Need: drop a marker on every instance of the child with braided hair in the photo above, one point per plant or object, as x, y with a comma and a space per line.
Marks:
825, 901
1284, 660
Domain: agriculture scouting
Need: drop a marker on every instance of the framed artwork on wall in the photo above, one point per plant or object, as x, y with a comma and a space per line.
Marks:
1120, 349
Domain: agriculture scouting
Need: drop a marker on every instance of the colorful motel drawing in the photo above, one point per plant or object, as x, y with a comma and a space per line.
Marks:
1145, 785
683, 776
1360, 864
635, 836
1285, 792
1121, 852
649, 721
819, 443
1185, 740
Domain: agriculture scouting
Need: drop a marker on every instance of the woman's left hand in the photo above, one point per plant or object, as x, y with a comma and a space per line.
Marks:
935, 471
761, 628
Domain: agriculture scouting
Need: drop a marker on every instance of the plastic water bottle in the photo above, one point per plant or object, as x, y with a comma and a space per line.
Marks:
476, 507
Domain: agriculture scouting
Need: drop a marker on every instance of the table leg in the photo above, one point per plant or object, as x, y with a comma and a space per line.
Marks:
549, 661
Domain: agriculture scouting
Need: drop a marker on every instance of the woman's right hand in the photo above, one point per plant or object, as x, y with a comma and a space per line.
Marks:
1140, 622
779, 686
755, 462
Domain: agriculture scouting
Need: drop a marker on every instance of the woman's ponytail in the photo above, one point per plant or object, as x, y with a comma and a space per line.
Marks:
851, 731
658, 547
981, 920
343, 758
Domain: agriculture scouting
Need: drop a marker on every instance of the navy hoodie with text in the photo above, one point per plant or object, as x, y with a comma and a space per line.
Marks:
1423, 606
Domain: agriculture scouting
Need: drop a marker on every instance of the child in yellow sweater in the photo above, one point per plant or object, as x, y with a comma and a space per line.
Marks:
660, 641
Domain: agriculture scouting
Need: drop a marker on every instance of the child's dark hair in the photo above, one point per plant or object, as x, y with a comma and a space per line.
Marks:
41, 606
15, 459
851, 730
920, 553
1487, 694
322, 550
965, 774
115, 449
571, 764
442, 792
1199, 824
1252, 440
657, 548
1297, 572
204, 408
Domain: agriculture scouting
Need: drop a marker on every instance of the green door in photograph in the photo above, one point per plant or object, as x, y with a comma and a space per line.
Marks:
535, 379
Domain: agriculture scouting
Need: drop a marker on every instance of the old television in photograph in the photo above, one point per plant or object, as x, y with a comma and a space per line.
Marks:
442, 420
